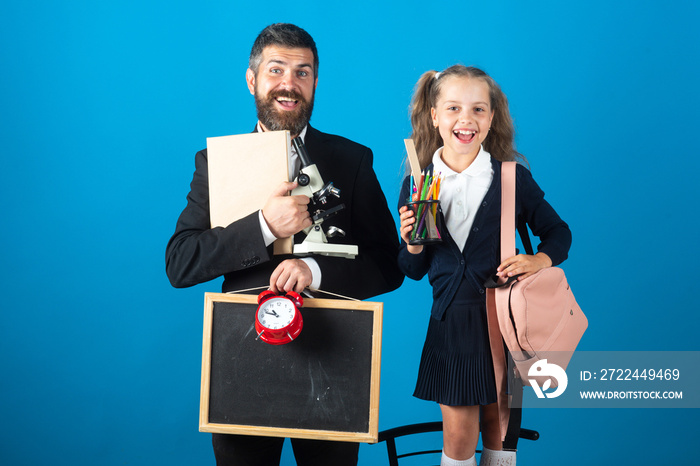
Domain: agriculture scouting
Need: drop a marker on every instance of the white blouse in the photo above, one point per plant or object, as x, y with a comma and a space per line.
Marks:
461, 194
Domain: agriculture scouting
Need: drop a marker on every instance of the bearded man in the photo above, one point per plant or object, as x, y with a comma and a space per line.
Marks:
282, 76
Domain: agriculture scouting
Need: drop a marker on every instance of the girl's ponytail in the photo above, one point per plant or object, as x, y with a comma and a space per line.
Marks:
426, 137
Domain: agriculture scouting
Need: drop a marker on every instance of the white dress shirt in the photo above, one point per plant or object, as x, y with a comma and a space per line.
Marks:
461, 194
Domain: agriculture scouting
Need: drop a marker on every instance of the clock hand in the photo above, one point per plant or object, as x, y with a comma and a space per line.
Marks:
273, 313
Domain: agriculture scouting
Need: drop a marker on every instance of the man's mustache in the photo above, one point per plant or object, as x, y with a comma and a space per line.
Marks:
286, 93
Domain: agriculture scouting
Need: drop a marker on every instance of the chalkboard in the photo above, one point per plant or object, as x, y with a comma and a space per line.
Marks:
323, 385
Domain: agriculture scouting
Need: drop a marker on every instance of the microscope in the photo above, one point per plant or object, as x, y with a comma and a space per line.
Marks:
311, 184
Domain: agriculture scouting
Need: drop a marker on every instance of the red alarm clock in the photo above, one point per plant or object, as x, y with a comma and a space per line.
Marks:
277, 319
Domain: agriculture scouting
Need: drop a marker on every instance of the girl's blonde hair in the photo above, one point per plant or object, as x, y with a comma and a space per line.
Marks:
500, 140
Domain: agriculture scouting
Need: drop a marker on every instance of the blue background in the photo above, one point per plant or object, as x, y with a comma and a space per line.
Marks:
105, 103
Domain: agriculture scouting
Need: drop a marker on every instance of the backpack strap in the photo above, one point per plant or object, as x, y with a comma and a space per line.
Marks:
508, 223
525, 237
507, 210
508, 249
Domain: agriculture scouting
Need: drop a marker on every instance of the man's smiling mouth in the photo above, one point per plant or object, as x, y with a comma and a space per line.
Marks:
287, 102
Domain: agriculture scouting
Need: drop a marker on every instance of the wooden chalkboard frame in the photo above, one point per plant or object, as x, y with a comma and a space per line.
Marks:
241, 306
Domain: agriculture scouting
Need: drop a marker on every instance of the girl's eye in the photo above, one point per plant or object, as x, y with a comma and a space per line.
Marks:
453, 109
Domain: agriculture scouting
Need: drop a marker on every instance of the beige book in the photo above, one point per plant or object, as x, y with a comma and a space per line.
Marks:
244, 169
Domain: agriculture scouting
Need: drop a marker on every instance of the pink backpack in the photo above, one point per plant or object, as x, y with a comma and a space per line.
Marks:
538, 317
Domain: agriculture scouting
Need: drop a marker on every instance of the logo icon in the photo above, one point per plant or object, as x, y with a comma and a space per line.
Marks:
552, 371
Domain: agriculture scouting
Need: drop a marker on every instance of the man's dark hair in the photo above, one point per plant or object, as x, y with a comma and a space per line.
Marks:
282, 35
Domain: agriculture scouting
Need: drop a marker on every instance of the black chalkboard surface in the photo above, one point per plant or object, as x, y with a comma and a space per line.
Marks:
323, 385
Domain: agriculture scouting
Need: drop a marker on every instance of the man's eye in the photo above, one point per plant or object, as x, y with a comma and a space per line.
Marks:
303, 74
275, 70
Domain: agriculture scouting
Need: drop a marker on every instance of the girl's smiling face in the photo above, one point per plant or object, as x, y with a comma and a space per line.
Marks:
463, 116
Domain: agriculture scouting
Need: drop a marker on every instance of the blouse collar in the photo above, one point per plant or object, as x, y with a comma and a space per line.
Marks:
481, 163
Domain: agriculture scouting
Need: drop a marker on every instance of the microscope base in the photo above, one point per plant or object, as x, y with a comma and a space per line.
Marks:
347, 251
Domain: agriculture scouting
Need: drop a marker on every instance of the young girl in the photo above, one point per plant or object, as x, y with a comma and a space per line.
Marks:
463, 131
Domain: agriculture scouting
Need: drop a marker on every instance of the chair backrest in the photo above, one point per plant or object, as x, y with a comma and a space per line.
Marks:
390, 435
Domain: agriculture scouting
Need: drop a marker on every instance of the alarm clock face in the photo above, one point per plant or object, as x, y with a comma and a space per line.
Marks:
276, 313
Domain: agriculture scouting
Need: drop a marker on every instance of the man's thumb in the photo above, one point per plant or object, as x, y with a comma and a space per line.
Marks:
284, 188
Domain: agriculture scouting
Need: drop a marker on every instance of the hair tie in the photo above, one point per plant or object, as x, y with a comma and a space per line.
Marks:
437, 75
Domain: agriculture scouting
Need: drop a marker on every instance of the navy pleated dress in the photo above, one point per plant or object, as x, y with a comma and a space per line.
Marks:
456, 368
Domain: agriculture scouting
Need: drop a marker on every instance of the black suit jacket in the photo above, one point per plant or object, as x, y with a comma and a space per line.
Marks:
197, 253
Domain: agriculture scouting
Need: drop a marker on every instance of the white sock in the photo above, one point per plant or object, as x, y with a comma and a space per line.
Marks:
447, 461
497, 458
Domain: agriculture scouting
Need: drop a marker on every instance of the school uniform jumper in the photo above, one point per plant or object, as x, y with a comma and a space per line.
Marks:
456, 368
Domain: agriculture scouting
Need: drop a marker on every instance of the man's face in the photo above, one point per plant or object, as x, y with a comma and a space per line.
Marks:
284, 88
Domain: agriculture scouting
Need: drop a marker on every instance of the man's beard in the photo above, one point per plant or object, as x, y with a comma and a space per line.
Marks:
279, 120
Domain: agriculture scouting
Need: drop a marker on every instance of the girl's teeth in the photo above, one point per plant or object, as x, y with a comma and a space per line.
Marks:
465, 135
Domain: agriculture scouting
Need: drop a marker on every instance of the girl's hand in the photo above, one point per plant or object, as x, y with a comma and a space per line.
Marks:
407, 221
523, 265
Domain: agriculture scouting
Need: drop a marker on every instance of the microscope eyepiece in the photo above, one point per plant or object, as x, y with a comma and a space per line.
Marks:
301, 151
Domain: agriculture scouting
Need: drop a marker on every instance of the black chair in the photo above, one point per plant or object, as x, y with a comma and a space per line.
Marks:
390, 435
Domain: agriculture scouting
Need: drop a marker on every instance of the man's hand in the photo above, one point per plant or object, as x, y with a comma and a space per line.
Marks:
286, 215
290, 275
